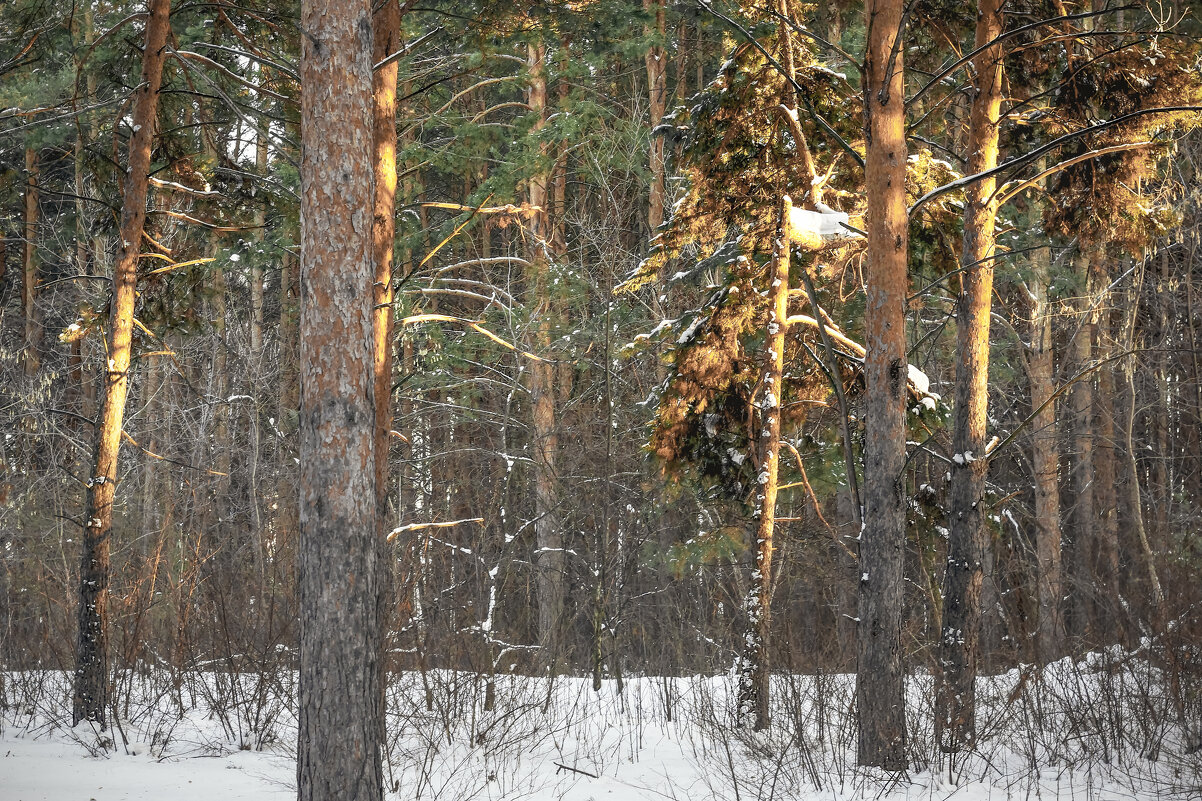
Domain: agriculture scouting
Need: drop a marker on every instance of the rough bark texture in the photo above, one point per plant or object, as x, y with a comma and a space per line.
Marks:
960, 642
340, 712
1045, 465
29, 272
879, 677
755, 673
91, 651
657, 91
548, 536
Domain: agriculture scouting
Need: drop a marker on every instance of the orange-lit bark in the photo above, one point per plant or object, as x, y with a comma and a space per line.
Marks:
960, 643
880, 677
91, 653
754, 689
549, 558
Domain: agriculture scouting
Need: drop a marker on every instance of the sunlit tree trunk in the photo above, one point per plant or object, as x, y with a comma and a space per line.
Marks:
880, 689
91, 652
755, 670
387, 35
340, 698
549, 557
960, 642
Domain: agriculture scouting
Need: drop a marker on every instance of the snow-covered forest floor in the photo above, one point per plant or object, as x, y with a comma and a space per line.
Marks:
1103, 728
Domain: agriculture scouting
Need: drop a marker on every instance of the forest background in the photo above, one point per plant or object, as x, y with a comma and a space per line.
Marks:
636, 382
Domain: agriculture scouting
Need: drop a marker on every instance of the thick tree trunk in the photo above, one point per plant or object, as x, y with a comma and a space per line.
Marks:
657, 90
755, 673
340, 706
960, 643
29, 272
880, 689
1045, 464
91, 652
549, 558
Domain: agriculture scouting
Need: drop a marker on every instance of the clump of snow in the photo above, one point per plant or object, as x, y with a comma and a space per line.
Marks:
826, 223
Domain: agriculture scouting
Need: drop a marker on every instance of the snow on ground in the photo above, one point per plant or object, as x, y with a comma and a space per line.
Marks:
1077, 733
53, 768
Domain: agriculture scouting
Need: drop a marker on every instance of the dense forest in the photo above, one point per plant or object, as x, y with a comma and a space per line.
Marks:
847, 354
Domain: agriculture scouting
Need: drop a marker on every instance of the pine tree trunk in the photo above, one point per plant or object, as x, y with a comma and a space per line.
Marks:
960, 643
1107, 603
387, 33
657, 90
29, 283
1084, 517
91, 652
340, 711
1045, 465
756, 670
549, 558
880, 688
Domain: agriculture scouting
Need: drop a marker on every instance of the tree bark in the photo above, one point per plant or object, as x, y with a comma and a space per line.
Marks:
340, 705
387, 40
1045, 462
1084, 516
657, 91
29, 272
960, 642
1132, 483
1107, 610
549, 558
755, 673
880, 690
91, 653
